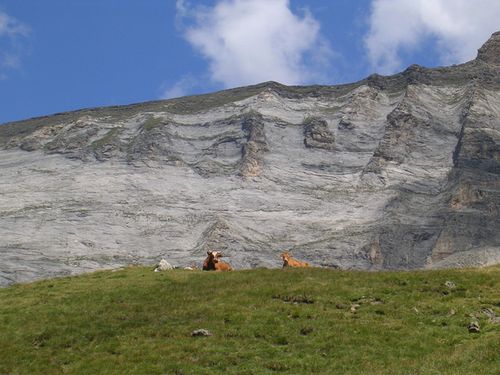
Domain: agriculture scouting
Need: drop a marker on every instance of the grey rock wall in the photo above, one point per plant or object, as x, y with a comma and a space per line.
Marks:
397, 172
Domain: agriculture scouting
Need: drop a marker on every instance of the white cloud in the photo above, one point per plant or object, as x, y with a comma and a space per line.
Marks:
182, 87
9, 26
251, 41
10, 32
10, 60
459, 28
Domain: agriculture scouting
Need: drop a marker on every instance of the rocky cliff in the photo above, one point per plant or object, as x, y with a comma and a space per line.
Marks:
391, 172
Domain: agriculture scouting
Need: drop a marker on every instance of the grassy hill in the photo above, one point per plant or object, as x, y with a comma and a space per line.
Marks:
307, 321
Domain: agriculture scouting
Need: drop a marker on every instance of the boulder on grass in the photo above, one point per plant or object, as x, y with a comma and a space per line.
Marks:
163, 266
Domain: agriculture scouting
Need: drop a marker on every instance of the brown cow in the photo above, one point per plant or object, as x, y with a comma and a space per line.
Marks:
220, 265
213, 262
209, 264
288, 261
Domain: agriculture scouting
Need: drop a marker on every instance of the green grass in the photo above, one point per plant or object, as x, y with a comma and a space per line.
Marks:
107, 138
152, 122
135, 321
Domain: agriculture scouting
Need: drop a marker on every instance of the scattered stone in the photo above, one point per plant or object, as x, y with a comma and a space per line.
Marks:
354, 306
493, 318
452, 312
358, 299
306, 330
163, 266
488, 312
201, 332
341, 306
473, 327
295, 299
450, 284
192, 267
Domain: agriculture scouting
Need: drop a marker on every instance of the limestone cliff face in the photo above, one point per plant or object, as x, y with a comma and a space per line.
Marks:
393, 172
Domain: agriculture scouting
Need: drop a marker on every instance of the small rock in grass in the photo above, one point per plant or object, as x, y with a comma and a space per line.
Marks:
163, 266
491, 315
201, 332
354, 307
488, 312
473, 327
450, 284
306, 330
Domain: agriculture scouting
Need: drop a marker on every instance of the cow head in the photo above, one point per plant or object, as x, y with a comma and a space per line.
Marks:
285, 256
214, 255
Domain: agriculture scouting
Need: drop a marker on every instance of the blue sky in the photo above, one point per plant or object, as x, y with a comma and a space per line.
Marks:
60, 55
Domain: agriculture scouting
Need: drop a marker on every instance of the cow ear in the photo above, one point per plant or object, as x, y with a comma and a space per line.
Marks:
209, 252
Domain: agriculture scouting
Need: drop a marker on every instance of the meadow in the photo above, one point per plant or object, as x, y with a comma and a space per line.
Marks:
262, 321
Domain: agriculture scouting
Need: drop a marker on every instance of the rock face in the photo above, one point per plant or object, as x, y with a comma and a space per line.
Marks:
490, 51
396, 172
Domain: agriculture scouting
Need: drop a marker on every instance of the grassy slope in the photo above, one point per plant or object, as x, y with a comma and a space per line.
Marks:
135, 321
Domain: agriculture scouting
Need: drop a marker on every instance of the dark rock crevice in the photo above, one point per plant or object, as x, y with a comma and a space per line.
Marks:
255, 147
317, 134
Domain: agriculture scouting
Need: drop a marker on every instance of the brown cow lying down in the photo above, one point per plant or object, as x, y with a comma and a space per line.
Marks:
288, 261
213, 262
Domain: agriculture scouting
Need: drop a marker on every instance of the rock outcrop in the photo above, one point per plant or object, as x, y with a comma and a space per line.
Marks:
395, 172
490, 51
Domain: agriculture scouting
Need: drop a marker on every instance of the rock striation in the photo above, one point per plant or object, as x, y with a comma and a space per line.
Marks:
391, 172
